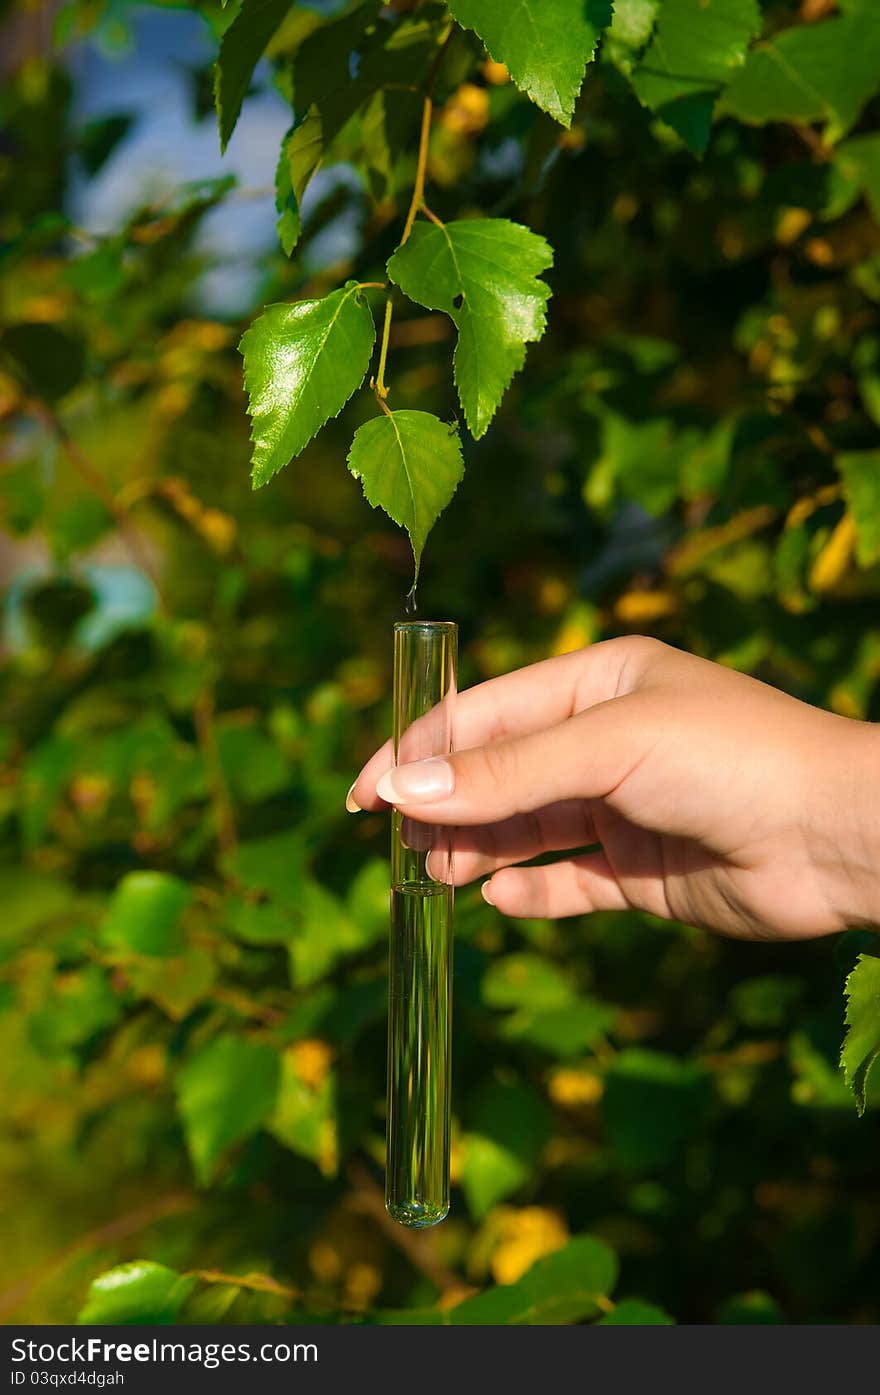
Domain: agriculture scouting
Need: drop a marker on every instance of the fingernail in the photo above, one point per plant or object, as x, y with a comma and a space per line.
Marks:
423, 782
351, 803
484, 891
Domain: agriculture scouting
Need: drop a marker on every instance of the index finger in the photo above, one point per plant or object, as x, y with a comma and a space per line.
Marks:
515, 704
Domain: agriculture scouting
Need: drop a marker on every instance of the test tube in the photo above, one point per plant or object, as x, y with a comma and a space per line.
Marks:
420, 955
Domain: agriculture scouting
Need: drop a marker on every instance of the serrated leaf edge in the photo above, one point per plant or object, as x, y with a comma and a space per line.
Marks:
358, 475
352, 288
857, 1080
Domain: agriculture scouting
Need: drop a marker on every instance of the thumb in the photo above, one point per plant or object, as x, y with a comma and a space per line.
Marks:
585, 757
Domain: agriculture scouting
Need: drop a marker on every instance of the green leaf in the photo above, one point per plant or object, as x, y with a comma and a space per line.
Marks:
513, 1124
813, 72
857, 163
302, 362
631, 28
322, 934
80, 1005
274, 865
253, 766
766, 1003
860, 472
651, 1105
322, 68
563, 1031
369, 899
525, 980
566, 1287
753, 1308
259, 923
484, 273
97, 139
697, 46
305, 1116
175, 985
861, 1046
140, 1292
224, 1094
241, 48
546, 44
29, 899
144, 914
632, 1312
326, 97
46, 360
289, 223
643, 459
410, 465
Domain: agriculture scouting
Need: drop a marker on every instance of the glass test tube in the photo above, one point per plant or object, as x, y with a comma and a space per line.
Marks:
420, 957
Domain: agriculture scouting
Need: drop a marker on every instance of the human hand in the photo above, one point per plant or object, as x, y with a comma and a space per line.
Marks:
717, 800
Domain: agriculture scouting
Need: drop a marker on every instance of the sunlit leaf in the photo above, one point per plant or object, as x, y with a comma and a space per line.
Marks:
224, 1094
144, 915
861, 1045
545, 44
568, 1286
140, 1292
410, 465
484, 273
860, 471
302, 362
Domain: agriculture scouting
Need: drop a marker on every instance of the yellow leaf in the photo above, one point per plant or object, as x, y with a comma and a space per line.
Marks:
574, 1088
836, 556
526, 1236
312, 1060
641, 607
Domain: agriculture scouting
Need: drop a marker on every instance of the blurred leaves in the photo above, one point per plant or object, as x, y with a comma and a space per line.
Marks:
652, 1104
860, 471
691, 452
144, 914
48, 361
225, 1093
510, 1125
140, 1292
693, 53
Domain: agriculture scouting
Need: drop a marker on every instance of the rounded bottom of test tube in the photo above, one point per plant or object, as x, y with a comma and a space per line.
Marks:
416, 1214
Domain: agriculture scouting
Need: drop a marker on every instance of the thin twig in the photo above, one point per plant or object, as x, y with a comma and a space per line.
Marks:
95, 481
118, 1229
417, 202
206, 735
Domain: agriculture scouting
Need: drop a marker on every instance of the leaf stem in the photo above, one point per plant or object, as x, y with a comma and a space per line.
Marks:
372, 285
417, 202
379, 384
418, 193
433, 216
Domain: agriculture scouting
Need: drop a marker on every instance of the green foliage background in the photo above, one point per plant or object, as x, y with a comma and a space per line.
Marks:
193, 932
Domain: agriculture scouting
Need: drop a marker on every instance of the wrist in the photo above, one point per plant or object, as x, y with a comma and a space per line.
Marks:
850, 818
